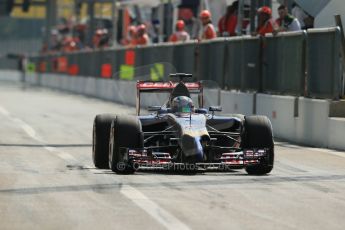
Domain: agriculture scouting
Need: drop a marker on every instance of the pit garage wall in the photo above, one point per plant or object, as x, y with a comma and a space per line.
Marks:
295, 119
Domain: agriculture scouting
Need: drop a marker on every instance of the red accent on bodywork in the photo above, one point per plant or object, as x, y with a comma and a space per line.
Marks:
165, 85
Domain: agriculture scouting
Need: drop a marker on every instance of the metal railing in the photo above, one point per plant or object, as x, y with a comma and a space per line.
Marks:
305, 63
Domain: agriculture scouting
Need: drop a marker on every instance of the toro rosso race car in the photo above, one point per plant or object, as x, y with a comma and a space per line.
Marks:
180, 136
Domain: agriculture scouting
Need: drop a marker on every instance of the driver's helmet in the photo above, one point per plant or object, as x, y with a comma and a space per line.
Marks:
182, 104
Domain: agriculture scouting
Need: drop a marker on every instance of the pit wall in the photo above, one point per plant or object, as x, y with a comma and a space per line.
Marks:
296, 119
10, 75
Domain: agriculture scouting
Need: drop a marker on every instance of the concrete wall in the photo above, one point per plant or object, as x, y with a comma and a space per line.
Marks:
123, 92
296, 119
10, 75
237, 102
281, 111
336, 131
312, 124
300, 120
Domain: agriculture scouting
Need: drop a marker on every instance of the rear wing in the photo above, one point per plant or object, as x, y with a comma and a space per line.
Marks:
167, 87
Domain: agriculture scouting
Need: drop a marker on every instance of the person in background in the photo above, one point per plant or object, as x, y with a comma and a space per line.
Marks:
309, 22
192, 24
208, 31
97, 38
55, 41
132, 35
70, 44
180, 35
101, 38
154, 33
305, 20
265, 22
130, 40
227, 24
105, 39
142, 37
298, 13
286, 21
79, 30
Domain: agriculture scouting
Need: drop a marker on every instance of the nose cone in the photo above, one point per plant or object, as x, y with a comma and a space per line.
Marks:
192, 148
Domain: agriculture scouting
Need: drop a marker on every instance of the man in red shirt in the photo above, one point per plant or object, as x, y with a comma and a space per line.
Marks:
180, 35
266, 23
208, 29
227, 24
142, 37
130, 39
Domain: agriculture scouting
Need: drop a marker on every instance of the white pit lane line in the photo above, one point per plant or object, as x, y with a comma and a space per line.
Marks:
169, 221
162, 216
30, 131
328, 151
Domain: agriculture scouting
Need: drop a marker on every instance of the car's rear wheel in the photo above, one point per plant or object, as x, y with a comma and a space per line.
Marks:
126, 132
258, 134
100, 140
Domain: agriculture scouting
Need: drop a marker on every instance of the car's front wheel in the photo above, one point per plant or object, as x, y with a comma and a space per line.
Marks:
258, 134
125, 132
100, 140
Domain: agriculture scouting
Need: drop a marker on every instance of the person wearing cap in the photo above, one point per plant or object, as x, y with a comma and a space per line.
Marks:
208, 29
142, 37
265, 22
228, 23
286, 21
192, 23
180, 35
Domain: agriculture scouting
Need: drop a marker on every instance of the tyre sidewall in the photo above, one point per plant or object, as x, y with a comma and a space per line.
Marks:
258, 134
125, 132
100, 139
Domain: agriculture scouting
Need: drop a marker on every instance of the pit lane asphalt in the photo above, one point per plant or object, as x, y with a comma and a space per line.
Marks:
47, 180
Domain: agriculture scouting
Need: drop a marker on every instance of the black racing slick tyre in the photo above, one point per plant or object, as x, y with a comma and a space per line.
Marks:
100, 140
126, 132
258, 134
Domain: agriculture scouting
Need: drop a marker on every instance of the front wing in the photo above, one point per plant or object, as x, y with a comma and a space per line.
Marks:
148, 159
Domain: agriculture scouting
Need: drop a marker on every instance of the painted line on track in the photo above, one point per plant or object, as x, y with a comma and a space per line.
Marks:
169, 221
30, 131
162, 216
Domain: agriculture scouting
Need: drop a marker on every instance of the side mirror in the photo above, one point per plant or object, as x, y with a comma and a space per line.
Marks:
201, 111
215, 109
154, 108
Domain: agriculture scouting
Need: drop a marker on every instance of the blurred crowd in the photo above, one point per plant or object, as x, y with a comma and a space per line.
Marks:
68, 37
